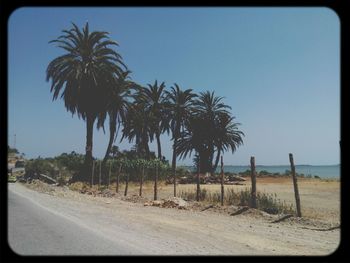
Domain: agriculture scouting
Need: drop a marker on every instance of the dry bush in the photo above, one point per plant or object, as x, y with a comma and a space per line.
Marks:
265, 202
78, 186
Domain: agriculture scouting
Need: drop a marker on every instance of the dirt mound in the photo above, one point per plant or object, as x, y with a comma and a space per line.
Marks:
134, 198
309, 223
259, 214
40, 186
103, 193
174, 202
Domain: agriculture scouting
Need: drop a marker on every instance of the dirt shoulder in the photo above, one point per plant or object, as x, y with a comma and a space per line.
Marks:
171, 231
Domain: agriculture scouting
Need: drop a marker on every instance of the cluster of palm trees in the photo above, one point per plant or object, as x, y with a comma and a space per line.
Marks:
96, 85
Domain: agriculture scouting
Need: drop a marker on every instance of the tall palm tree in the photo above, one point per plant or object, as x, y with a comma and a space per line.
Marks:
83, 76
195, 138
136, 126
180, 105
209, 129
228, 137
153, 97
208, 108
116, 109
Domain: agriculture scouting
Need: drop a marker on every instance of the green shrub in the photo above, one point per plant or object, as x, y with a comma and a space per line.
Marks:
40, 166
72, 161
245, 173
264, 172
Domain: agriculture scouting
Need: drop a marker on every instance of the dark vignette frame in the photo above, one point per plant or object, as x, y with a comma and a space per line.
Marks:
338, 6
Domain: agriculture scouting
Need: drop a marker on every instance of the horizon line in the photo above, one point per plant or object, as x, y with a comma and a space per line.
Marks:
271, 165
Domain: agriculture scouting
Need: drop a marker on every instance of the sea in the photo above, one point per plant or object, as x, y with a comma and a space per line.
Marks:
323, 171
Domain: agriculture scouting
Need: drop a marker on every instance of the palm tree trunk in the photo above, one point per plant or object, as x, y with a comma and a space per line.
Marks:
89, 135
159, 147
216, 163
144, 142
84, 175
205, 166
173, 165
211, 157
141, 179
112, 130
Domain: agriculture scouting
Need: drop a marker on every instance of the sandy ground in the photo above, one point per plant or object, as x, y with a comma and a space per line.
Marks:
170, 231
320, 199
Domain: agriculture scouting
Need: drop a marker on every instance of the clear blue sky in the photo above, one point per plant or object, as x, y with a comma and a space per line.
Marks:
278, 68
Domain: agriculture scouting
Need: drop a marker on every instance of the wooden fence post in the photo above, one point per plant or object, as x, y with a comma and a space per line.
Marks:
126, 183
222, 181
253, 178
198, 180
141, 179
295, 183
118, 174
92, 173
109, 174
174, 181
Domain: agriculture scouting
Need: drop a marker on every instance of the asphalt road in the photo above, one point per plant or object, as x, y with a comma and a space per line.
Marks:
69, 223
35, 230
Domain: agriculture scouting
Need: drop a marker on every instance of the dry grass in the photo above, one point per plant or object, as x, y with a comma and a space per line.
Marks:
320, 199
265, 202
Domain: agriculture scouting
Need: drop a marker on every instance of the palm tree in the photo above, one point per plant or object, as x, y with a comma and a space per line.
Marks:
210, 128
180, 105
228, 137
209, 108
116, 109
195, 138
83, 76
136, 126
154, 99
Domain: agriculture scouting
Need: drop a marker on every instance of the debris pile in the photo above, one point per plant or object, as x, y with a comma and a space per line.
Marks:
104, 193
174, 202
134, 198
212, 179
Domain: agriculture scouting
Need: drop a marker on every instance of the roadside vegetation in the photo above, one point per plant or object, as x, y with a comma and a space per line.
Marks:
96, 85
265, 202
